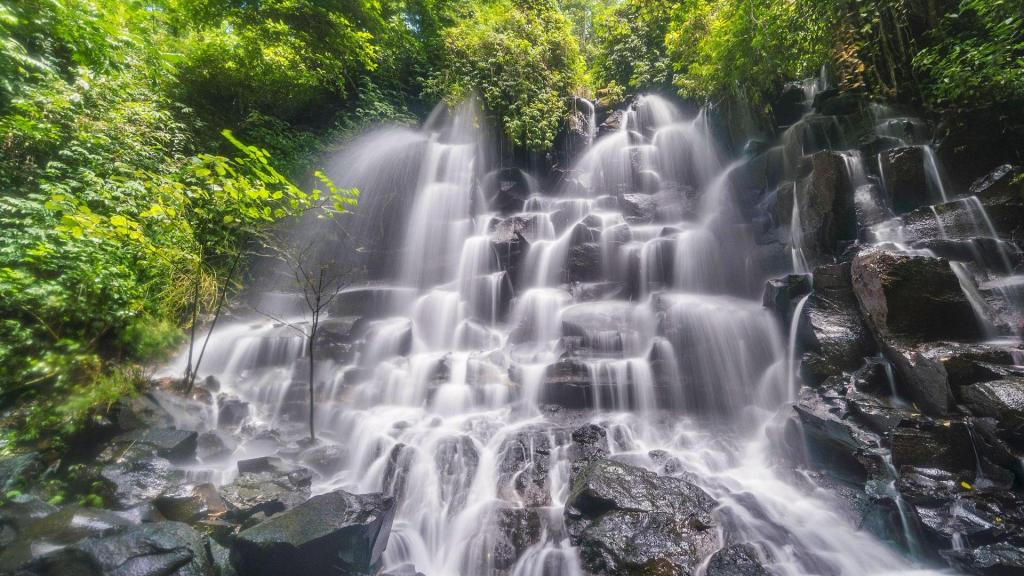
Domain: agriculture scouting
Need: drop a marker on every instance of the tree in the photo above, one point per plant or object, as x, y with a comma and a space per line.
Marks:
631, 50
319, 282
521, 58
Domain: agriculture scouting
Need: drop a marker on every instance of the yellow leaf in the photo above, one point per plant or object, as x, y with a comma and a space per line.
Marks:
965, 485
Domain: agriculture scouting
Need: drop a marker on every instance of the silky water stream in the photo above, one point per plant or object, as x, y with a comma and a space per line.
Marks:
627, 298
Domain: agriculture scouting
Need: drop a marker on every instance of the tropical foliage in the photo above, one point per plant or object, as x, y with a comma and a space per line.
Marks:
124, 203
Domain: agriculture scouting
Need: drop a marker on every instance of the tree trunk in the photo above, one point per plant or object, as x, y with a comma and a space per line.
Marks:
213, 324
192, 335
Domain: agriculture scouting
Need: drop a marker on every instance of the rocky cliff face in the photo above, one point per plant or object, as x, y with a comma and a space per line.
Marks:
909, 341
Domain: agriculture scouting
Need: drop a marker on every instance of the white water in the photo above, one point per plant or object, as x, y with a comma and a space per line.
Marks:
441, 404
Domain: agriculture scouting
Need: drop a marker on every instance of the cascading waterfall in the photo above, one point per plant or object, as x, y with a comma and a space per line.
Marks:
633, 294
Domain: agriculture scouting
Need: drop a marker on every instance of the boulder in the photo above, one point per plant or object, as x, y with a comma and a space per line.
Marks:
629, 520
589, 444
155, 549
905, 179
584, 263
568, 384
191, 504
831, 326
990, 254
274, 488
325, 459
396, 472
136, 480
1002, 400
214, 446
922, 379
782, 294
517, 530
826, 206
911, 297
1002, 559
170, 443
511, 242
832, 440
332, 534
17, 513
32, 534
524, 465
506, 190
737, 560
17, 470
925, 443
790, 105
370, 301
839, 102
231, 412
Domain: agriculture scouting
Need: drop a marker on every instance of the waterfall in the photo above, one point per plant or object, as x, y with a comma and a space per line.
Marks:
629, 297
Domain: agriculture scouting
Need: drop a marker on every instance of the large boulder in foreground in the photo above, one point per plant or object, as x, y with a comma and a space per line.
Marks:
627, 520
156, 549
908, 299
333, 534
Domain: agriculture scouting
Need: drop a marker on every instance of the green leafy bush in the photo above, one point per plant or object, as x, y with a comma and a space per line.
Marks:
521, 58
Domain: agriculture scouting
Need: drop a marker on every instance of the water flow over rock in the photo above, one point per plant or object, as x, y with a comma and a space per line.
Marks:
556, 381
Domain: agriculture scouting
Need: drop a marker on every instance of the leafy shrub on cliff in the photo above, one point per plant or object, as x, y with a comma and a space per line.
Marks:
977, 56
521, 58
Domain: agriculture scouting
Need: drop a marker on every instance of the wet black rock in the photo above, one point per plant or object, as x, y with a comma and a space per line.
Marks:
396, 473
231, 413
589, 444
1002, 194
789, 106
911, 297
191, 504
517, 530
823, 429
1001, 559
170, 443
877, 414
214, 446
18, 469
584, 263
155, 549
332, 534
906, 181
325, 459
996, 255
922, 379
737, 560
275, 488
369, 301
525, 464
18, 513
511, 241
874, 376
629, 520
132, 480
839, 102
568, 384
1002, 400
831, 327
506, 190
827, 213
926, 443
456, 459
782, 294
34, 533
